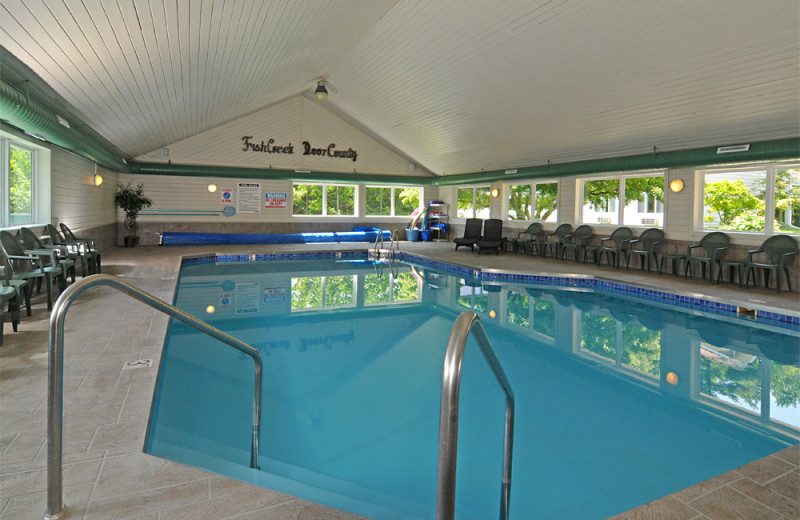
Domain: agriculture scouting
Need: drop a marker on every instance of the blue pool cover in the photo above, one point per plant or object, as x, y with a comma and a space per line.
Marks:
359, 234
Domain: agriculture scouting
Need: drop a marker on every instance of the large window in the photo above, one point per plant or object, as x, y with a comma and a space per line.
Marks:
386, 201
765, 200
324, 199
20, 183
323, 292
474, 202
635, 200
533, 201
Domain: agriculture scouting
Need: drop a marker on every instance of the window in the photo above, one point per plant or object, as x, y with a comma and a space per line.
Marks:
472, 295
534, 201
529, 312
635, 200
24, 180
324, 199
473, 202
399, 202
740, 200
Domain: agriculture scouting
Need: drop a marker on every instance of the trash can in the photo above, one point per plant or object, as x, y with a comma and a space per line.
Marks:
426, 235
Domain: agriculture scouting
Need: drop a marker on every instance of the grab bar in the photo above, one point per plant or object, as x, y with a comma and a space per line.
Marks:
467, 322
55, 375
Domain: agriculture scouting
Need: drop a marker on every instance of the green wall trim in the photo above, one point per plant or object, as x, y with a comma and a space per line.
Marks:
22, 112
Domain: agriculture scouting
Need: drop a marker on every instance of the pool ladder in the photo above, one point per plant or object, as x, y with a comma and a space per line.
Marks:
55, 376
376, 251
467, 322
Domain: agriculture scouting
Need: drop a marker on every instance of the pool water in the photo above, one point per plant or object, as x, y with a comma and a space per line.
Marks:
353, 356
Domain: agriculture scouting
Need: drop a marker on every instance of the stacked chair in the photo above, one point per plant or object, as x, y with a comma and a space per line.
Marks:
81, 247
90, 245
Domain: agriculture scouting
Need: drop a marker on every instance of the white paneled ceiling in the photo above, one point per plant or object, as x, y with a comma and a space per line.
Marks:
455, 85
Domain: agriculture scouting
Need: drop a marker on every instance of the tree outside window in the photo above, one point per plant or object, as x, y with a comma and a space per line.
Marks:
520, 202
20, 185
341, 200
641, 203
378, 201
307, 199
388, 201
324, 199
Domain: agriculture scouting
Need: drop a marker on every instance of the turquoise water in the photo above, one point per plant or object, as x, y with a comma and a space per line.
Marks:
352, 372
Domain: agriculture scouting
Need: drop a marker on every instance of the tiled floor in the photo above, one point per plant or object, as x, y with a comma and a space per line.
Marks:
106, 475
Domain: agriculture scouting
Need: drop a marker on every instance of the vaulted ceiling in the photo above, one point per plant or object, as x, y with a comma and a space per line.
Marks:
455, 85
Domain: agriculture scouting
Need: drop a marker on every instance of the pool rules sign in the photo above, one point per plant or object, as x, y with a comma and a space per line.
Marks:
248, 196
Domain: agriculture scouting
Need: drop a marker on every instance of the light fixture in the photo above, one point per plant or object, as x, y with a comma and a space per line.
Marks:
63, 122
212, 188
321, 93
98, 179
495, 193
672, 378
676, 185
210, 309
492, 314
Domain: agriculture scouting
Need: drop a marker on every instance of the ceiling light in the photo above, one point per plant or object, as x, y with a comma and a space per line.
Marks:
321, 93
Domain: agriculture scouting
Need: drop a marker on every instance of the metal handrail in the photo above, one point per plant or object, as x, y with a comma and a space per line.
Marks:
378, 238
55, 383
467, 322
395, 240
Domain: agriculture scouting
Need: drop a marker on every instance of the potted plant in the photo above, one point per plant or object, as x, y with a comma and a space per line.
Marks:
131, 200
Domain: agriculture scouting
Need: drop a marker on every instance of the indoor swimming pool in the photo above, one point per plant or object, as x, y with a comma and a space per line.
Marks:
620, 399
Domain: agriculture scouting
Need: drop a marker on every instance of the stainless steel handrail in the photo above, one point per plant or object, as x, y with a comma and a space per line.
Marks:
378, 238
55, 383
395, 240
467, 322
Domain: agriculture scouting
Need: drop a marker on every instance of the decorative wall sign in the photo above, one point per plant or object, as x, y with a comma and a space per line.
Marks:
249, 197
227, 195
268, 147
329, 151
275, 200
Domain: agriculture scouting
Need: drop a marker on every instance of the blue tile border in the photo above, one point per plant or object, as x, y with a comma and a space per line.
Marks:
607, 286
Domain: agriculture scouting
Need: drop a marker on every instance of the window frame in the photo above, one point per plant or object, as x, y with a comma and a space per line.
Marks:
394, 191
474, 200
533, 184
621, 201
6, 142
771, 170
325, 186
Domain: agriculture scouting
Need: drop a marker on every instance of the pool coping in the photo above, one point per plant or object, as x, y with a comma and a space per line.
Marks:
682, 299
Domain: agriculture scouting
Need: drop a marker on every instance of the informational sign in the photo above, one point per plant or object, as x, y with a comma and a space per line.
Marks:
249, 197
227, 196
274, 294
275, 200
225, 300
246, 297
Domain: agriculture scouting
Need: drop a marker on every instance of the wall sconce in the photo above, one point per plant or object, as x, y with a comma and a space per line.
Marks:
676, 185
495, 192
210, 309
672, 378
492, 314
321, 93
212, 188
98, 179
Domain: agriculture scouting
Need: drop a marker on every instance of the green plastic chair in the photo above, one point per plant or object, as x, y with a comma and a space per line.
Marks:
8, 294
92, 246
39, 267
576, 241
617, 245
528, 239
647, 247
79, 247
777, 249
714, 245
555, 245
65, 259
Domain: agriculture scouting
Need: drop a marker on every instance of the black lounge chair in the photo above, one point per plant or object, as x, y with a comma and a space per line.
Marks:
714, 244
777, 249
576, 241
555, 245
647, 247
492, 236
472, 233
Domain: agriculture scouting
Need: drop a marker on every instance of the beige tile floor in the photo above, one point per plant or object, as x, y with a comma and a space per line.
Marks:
106, 475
